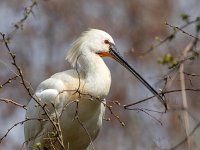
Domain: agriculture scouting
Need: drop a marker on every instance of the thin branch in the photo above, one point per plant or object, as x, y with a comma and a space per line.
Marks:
191, 74
19, 123
19, 25
180, 29
27, 87
9, 81
82, 125
138, 102
145, 111
58, 129
165, 92
13, 102
186, 138
169, 37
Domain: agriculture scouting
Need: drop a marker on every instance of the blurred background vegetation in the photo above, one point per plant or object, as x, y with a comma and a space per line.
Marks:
137, 26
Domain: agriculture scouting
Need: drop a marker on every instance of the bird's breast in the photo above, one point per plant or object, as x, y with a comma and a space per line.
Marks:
98, 83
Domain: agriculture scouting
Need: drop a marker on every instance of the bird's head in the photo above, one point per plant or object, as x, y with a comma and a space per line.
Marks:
96, 42
93, 41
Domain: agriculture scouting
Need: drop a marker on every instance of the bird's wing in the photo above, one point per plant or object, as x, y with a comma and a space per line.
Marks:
48, 93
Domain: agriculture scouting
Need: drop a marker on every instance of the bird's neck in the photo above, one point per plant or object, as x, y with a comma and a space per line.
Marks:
97, 74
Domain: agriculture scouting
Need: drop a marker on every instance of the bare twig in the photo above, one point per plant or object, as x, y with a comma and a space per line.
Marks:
146, 112
28, 88
186, 138
165, 92
19, 25
19, 123
171, 36
13, 102
9, 81
76, 117
191, 74
5, 39
180, 29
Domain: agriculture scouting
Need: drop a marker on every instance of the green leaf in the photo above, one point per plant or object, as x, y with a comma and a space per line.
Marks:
198, 18
185, 17
168, 58
198, 24
38, 145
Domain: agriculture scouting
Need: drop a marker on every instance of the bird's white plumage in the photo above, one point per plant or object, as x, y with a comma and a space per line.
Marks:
92, 40
90, 77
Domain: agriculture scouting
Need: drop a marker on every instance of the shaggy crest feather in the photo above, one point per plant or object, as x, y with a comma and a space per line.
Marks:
74, 51
80, 44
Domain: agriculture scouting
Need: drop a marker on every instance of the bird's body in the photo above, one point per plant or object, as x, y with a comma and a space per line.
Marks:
63, 89
90, 112
73, 100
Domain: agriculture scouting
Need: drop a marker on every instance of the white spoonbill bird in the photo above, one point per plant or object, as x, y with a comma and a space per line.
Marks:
67, 109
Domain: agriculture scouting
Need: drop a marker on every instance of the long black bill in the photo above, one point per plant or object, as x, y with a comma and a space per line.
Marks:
115, 54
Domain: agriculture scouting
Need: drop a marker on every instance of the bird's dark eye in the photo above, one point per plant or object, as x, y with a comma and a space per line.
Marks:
106, 41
